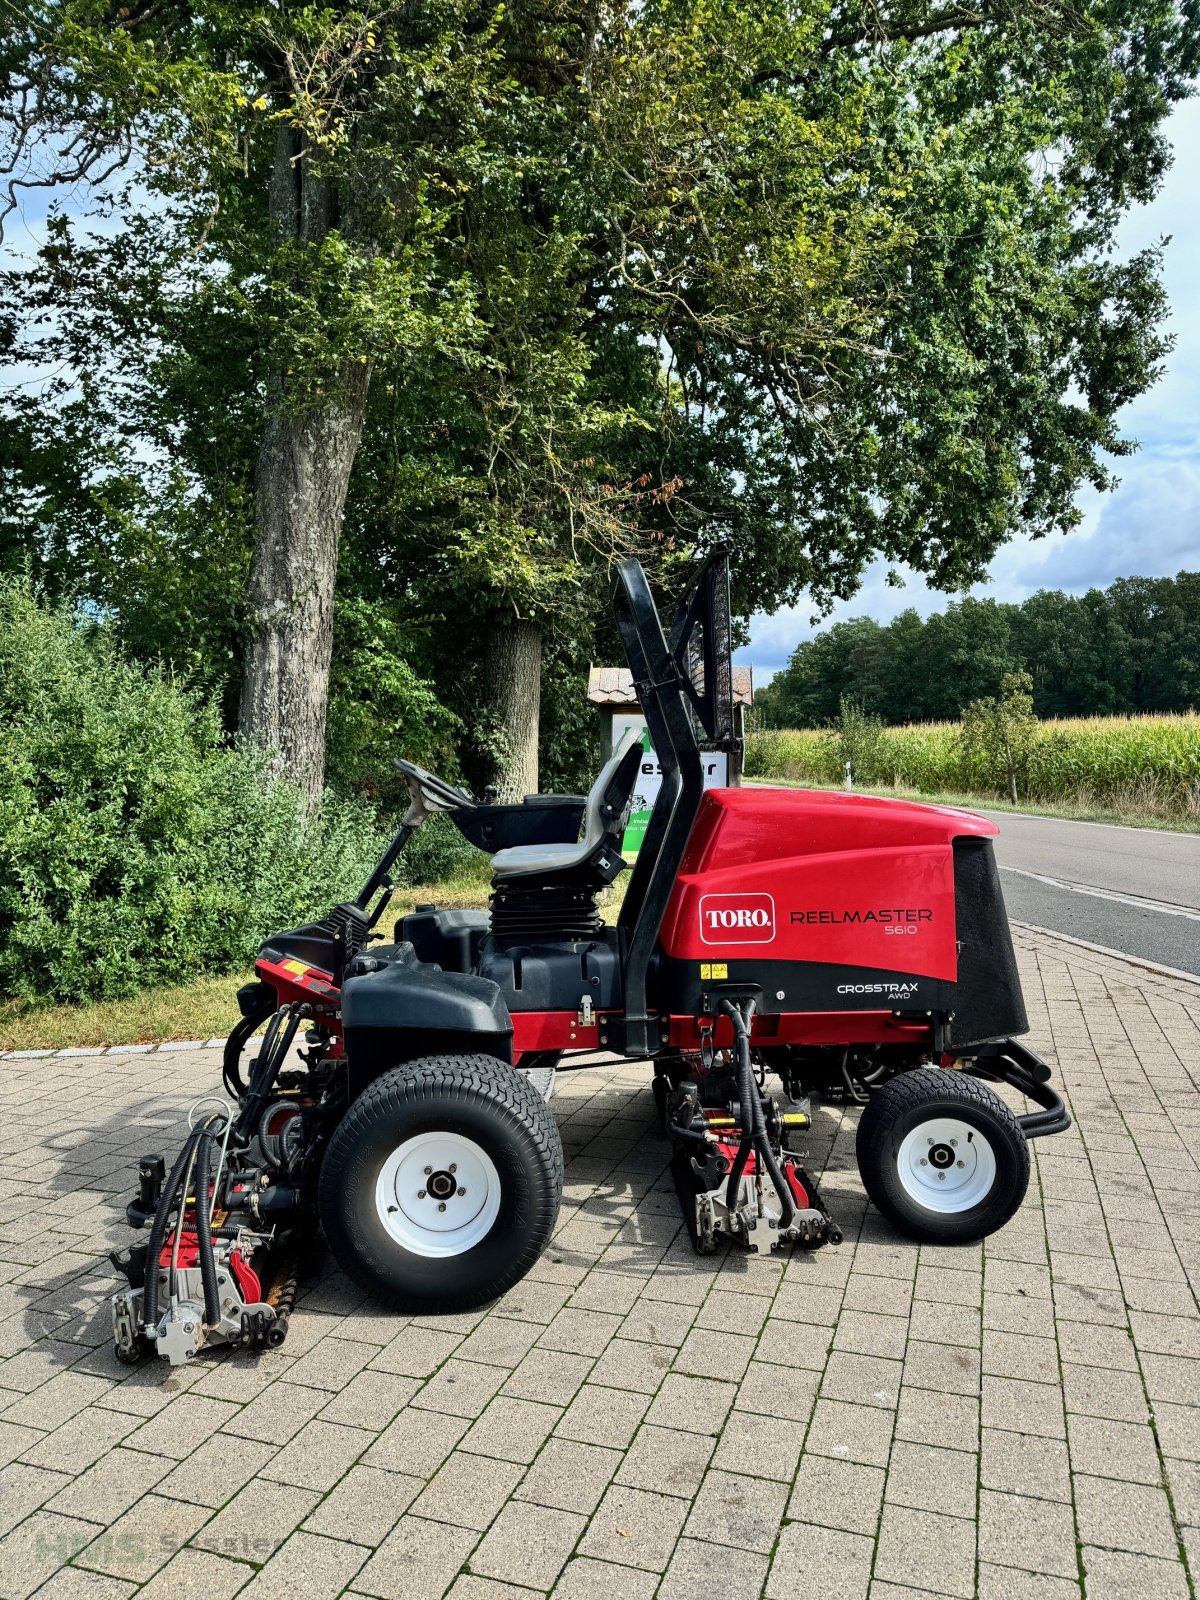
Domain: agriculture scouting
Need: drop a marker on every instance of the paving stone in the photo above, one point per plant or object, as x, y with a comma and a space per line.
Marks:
365, 1506
256, 1521
707, 1353
570, 1476
851, 1433
370, 1400
1014, 1463
71, 1447
760, 1446
116, 1482
468, 1587
56, 1402
278, 1414
307, 1568
144, 1539
603, 1416
1113, 1575
460, 1388
1019, 1531
669, 1461
332, 1362
418, 1560
23, 1489
585, 1579
1034, 1408
1116, 1395
698, 1569
320, 1454
1096, 1345
513, 1430
216, 1470
1130, 1516
634, 1528
417, 1351
929, 1478
416, 1442
862, 1380
528, 1545
1007, 1583
869, 1333
468, 1490
1126, 1451
950, 1421
810, 1559
549, 1375
626, 1364
842, 1494
1178, 1430
499, 1342
926, 1551
38, 1547
73, 1583
731, 1510
198, 1575
580, 1332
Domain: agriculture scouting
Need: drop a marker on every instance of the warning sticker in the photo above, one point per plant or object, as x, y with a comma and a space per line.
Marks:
714, 969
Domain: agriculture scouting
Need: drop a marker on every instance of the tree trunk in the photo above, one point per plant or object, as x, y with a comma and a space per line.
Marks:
304, 461
512, 675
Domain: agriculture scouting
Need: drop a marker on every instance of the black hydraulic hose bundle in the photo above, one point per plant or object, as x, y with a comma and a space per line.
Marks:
158, 1231
198, 1144
204, 1244
266, 1069
754, 1127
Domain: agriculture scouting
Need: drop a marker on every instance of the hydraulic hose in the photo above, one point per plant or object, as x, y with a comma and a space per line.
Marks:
274, 1052
158, 1232
754, 1127
204, 1244
277, 1162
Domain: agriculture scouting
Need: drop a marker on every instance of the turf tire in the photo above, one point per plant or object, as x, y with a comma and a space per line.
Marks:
899, 1106
472, 1095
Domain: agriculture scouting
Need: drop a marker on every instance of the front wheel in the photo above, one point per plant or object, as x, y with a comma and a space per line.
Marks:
941, 1156
441, 1185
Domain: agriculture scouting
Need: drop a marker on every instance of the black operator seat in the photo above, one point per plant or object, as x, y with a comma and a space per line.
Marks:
608, 807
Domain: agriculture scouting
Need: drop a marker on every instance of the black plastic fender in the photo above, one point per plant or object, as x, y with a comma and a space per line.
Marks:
405, 1009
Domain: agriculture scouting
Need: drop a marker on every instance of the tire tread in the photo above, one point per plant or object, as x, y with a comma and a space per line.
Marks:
411, 1085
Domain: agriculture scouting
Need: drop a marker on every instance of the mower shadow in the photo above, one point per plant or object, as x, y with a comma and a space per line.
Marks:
620, 1214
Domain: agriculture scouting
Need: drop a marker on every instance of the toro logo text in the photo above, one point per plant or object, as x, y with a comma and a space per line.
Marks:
737, 918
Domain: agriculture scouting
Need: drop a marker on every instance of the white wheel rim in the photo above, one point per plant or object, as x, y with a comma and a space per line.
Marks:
946, 1165
438, 1194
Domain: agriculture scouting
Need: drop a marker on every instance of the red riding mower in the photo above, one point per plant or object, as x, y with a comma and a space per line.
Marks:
842, 943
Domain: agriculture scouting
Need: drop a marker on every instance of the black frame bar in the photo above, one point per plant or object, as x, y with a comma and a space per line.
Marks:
677, 709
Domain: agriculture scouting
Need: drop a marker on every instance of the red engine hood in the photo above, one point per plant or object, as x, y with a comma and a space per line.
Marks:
809, 875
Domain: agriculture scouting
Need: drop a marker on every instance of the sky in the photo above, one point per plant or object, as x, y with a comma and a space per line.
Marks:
1149, 526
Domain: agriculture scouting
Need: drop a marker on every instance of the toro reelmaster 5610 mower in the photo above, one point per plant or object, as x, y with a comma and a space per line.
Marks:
832, 941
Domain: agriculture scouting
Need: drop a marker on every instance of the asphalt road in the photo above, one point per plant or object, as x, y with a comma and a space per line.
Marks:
1133, 889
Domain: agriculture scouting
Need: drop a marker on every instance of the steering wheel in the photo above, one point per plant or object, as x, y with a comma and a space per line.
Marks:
442, 794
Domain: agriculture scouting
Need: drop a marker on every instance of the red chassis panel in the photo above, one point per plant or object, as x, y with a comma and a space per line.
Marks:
804, 876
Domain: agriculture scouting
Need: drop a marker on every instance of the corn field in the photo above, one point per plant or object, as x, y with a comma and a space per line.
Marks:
1149, 764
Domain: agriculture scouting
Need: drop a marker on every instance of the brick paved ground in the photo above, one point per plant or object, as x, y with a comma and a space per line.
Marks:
633, 1421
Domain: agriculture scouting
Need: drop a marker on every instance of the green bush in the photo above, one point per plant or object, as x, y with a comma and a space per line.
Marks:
135, 848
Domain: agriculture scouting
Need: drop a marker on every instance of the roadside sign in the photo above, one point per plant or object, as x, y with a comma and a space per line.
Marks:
716, 776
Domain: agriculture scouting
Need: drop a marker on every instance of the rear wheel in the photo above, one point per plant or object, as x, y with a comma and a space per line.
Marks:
442, 1183
942, 1156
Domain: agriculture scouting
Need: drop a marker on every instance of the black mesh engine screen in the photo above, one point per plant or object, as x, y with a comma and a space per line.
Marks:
988, 1000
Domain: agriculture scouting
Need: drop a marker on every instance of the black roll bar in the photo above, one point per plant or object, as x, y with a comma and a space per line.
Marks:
684, 687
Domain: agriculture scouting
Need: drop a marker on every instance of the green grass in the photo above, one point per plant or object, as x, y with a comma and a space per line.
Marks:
982, 802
